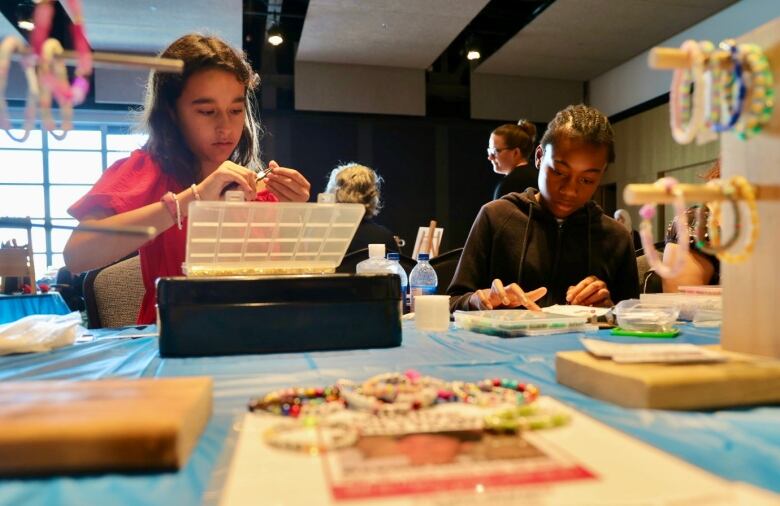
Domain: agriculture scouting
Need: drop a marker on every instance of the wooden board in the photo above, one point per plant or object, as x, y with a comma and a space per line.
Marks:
49, 427
742, 381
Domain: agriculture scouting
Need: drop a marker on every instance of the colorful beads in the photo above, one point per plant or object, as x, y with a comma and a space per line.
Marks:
717, 94
393, 393
526, 417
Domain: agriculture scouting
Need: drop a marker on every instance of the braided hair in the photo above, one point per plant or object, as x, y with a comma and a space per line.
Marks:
583, 123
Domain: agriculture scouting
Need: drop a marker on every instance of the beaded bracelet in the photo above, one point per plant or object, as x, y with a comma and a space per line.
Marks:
171, 202
392, 394
520, 418
62, 89
709, 227
8, 47
647, 212
731, 102
52, 71
195, 191
748, 194
760, 103
296, 402
713, 74
388, 400
684, 105
311, 438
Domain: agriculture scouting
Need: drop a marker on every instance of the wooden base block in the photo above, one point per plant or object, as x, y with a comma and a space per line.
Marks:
49, 427
742, 381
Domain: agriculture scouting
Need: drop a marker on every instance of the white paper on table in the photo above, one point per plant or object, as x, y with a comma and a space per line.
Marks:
628, 472
651, 353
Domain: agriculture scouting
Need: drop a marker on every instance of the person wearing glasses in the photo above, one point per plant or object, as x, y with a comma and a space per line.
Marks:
509, 149
553, 245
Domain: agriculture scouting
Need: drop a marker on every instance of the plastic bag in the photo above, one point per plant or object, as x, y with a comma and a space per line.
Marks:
37, 333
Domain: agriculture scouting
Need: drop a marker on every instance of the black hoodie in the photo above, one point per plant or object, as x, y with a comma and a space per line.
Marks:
517, 240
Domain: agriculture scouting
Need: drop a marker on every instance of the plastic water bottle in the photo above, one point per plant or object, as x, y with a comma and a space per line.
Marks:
422, 279
395, 258
376, 262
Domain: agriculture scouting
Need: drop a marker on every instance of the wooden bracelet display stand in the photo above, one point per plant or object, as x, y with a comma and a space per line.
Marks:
750, 334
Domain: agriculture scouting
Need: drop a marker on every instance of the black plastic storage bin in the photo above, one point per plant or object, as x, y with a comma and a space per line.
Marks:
201, 317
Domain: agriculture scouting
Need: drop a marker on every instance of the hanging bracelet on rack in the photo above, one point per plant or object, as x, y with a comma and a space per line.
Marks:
62, 89
707, 229
760, 99
8, 47
647, 212
686, 107
52, 72
731, 102
747, 193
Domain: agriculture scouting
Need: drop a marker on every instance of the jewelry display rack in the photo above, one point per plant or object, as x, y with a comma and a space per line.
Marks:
751, 288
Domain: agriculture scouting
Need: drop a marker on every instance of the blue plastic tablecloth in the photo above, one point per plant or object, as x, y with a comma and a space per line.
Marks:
737, 444
13, 307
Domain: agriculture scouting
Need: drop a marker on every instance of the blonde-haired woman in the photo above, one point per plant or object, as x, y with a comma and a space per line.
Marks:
357, 184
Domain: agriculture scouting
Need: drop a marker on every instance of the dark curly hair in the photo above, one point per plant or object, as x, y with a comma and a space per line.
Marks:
583, 123
166, 143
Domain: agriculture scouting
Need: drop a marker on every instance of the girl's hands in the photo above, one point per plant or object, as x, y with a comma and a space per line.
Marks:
228, 173
498, 296
288, 185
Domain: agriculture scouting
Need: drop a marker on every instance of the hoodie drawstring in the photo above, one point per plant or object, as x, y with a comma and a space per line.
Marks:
587, 208
524, 247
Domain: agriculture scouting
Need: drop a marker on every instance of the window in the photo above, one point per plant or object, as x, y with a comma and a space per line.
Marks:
43, 176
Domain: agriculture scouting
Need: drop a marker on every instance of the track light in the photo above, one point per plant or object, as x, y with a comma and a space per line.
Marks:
275, 36
472, 48
24, 15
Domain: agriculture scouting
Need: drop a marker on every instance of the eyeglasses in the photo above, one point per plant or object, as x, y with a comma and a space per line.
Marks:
496, 151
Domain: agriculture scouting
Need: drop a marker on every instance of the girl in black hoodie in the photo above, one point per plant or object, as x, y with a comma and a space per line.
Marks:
555, 240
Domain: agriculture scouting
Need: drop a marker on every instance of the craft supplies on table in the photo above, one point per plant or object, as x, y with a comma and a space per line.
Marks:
519, 322
260, 279
636, 316
689, 304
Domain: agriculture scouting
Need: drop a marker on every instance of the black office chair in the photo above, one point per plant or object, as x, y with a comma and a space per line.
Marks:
445, 265
350, 261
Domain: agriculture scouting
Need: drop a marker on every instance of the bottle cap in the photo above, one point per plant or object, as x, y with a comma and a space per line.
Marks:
423, 256
376, 250
393, 256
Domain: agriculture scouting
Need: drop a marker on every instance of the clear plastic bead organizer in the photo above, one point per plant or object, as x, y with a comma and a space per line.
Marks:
268, 238
518, 322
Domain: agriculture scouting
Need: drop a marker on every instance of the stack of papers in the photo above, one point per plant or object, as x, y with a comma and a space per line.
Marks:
651, 353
